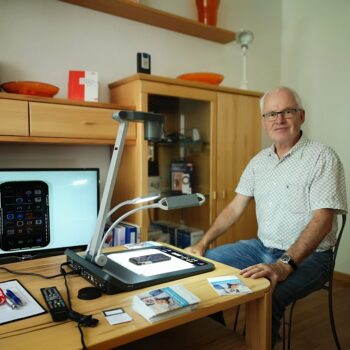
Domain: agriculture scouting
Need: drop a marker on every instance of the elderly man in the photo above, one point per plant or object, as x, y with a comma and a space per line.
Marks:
299, 188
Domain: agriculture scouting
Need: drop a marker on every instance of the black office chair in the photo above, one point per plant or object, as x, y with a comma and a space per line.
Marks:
287, 321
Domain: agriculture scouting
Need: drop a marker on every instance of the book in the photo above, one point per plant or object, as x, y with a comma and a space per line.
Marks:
119, 236
134, 231
187, 236
124, 233
225, 285
130, 233
167, 227
160, 304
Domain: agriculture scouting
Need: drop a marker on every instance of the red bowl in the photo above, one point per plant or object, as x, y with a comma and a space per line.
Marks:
202, 77
30, 88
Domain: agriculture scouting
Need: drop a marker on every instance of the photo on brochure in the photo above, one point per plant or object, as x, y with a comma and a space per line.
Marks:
226, 285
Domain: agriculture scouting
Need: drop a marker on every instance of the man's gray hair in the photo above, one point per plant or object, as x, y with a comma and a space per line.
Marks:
294, 94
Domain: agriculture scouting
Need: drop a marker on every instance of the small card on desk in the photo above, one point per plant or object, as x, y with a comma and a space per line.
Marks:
116, 316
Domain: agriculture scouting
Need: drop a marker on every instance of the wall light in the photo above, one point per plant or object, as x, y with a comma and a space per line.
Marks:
244, 38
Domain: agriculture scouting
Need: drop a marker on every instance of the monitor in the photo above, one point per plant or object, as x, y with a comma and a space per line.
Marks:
45, 211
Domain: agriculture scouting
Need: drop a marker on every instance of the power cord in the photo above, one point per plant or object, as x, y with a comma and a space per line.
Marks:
34, 274
82, 320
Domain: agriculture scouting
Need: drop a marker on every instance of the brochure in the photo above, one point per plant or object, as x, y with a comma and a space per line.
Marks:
226, 285
162, 303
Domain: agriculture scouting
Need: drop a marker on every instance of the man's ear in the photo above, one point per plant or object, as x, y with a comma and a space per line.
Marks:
302, 116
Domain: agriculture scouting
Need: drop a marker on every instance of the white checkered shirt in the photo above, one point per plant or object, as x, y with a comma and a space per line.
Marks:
286, 191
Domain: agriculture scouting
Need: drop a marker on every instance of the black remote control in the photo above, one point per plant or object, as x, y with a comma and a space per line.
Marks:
57, 307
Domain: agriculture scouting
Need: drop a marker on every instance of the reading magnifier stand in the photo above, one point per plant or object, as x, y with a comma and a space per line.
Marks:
94, 260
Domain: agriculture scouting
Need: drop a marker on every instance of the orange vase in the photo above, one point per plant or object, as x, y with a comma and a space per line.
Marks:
207, 11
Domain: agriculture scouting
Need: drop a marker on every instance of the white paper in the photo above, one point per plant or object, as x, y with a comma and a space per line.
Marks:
30, 307
174, 264
117, 316
141, 245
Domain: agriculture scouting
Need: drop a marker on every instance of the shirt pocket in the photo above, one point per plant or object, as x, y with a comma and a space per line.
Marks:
296, 198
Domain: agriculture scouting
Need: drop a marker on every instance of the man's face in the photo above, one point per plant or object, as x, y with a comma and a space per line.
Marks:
282, 131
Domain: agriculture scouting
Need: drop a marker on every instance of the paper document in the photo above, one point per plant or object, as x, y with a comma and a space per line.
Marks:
26, 306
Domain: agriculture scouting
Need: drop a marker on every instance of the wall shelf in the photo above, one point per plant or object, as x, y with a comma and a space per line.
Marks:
154, 17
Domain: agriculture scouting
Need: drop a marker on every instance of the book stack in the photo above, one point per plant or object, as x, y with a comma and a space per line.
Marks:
187, 236
168, 228
180, 236
163, 303
124, 233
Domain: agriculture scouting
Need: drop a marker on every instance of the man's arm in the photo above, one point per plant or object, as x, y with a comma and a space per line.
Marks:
226, 219
310, 238
313, 234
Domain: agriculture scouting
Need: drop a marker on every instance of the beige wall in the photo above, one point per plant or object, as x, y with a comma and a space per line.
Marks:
315, 62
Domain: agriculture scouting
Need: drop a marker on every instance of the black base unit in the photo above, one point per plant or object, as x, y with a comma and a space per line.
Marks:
114, 278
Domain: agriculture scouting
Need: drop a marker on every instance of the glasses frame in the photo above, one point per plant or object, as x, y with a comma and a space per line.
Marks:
286, 113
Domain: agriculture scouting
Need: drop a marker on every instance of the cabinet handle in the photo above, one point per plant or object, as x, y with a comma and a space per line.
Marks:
214, 195
223, 194
89, 123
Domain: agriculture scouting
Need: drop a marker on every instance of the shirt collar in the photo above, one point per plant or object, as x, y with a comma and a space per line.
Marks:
298, 146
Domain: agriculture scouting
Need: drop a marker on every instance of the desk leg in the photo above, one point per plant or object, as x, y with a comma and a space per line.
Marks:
258, 323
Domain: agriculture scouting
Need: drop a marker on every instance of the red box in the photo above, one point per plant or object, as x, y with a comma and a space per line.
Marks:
83, 85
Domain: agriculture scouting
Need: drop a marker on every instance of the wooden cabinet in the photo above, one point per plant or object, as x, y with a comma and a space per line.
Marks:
54, 120
228, 122
35, 119
32, 120
14, 118
238, 139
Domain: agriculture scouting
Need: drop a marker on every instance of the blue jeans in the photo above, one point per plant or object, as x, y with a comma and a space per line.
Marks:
310, 276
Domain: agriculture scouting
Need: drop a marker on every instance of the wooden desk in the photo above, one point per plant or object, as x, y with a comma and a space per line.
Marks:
41, 332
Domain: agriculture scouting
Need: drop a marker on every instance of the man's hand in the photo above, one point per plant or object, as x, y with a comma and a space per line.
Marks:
198, 249
275, 272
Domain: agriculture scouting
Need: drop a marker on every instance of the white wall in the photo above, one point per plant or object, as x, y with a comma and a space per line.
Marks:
54, 156
315, 62
42, 40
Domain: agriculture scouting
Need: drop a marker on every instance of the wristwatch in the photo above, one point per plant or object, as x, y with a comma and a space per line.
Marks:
287, 259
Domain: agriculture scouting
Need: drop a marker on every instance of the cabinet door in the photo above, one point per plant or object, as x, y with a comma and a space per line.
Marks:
54, 120
238, 140
13, 118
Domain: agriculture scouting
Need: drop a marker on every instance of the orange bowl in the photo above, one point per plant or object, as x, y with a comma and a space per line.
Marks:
30, 88
202, 77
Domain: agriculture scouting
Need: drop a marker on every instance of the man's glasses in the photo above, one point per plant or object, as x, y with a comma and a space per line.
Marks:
286, 113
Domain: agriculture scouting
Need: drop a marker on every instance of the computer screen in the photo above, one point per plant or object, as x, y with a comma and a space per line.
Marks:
44, 211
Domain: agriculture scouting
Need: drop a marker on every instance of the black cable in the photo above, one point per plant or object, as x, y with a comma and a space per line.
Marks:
82, 320
33, 273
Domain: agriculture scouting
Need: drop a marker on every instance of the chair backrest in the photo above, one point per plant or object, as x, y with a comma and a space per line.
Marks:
335, 248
